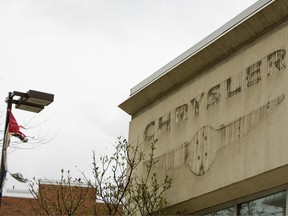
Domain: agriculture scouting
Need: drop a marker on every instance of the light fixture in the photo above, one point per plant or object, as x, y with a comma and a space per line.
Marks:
33, 101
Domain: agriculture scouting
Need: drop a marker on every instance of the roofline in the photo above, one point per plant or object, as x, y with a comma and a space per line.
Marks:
259, 5
251, 24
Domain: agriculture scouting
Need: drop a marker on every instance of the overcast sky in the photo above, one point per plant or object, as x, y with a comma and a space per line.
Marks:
90, 53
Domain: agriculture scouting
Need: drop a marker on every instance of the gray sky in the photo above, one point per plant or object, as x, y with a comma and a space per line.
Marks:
89, 53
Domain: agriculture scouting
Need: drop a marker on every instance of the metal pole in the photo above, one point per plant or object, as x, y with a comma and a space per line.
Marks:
5, 141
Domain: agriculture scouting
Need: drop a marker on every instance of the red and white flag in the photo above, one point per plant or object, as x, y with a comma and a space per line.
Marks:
14, 128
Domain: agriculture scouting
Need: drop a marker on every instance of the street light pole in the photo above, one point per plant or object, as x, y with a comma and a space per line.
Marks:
3, 167
32, 101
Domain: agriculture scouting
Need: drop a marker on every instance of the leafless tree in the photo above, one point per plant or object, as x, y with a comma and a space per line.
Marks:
121, 190
65, 197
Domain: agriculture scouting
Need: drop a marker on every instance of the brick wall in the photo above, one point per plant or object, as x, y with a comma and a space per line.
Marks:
15, 206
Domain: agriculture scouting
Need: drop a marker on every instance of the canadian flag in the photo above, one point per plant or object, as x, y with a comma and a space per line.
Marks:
14, 128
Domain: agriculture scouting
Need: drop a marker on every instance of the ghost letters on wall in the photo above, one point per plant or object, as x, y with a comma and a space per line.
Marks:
231, 87
200, 150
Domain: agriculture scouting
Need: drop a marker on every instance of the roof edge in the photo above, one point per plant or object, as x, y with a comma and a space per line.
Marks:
238, 19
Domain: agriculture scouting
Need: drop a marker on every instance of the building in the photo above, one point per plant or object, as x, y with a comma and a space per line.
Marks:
17, 205
219, 112
56, 199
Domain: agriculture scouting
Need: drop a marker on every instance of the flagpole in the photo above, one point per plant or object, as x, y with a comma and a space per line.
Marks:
3, 168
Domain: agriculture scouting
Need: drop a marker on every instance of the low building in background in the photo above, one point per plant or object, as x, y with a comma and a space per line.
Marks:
19, 202
53, 199
220, 114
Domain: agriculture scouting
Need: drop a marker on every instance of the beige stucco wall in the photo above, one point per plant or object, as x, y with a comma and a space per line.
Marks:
237, 139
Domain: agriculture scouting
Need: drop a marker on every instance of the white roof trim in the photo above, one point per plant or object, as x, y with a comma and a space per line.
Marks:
259, 5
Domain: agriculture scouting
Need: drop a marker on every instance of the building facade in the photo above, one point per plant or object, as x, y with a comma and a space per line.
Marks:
55, 199
219, 112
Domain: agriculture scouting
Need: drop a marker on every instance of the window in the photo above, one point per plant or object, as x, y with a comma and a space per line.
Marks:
223, 212
274, 204
266, 203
